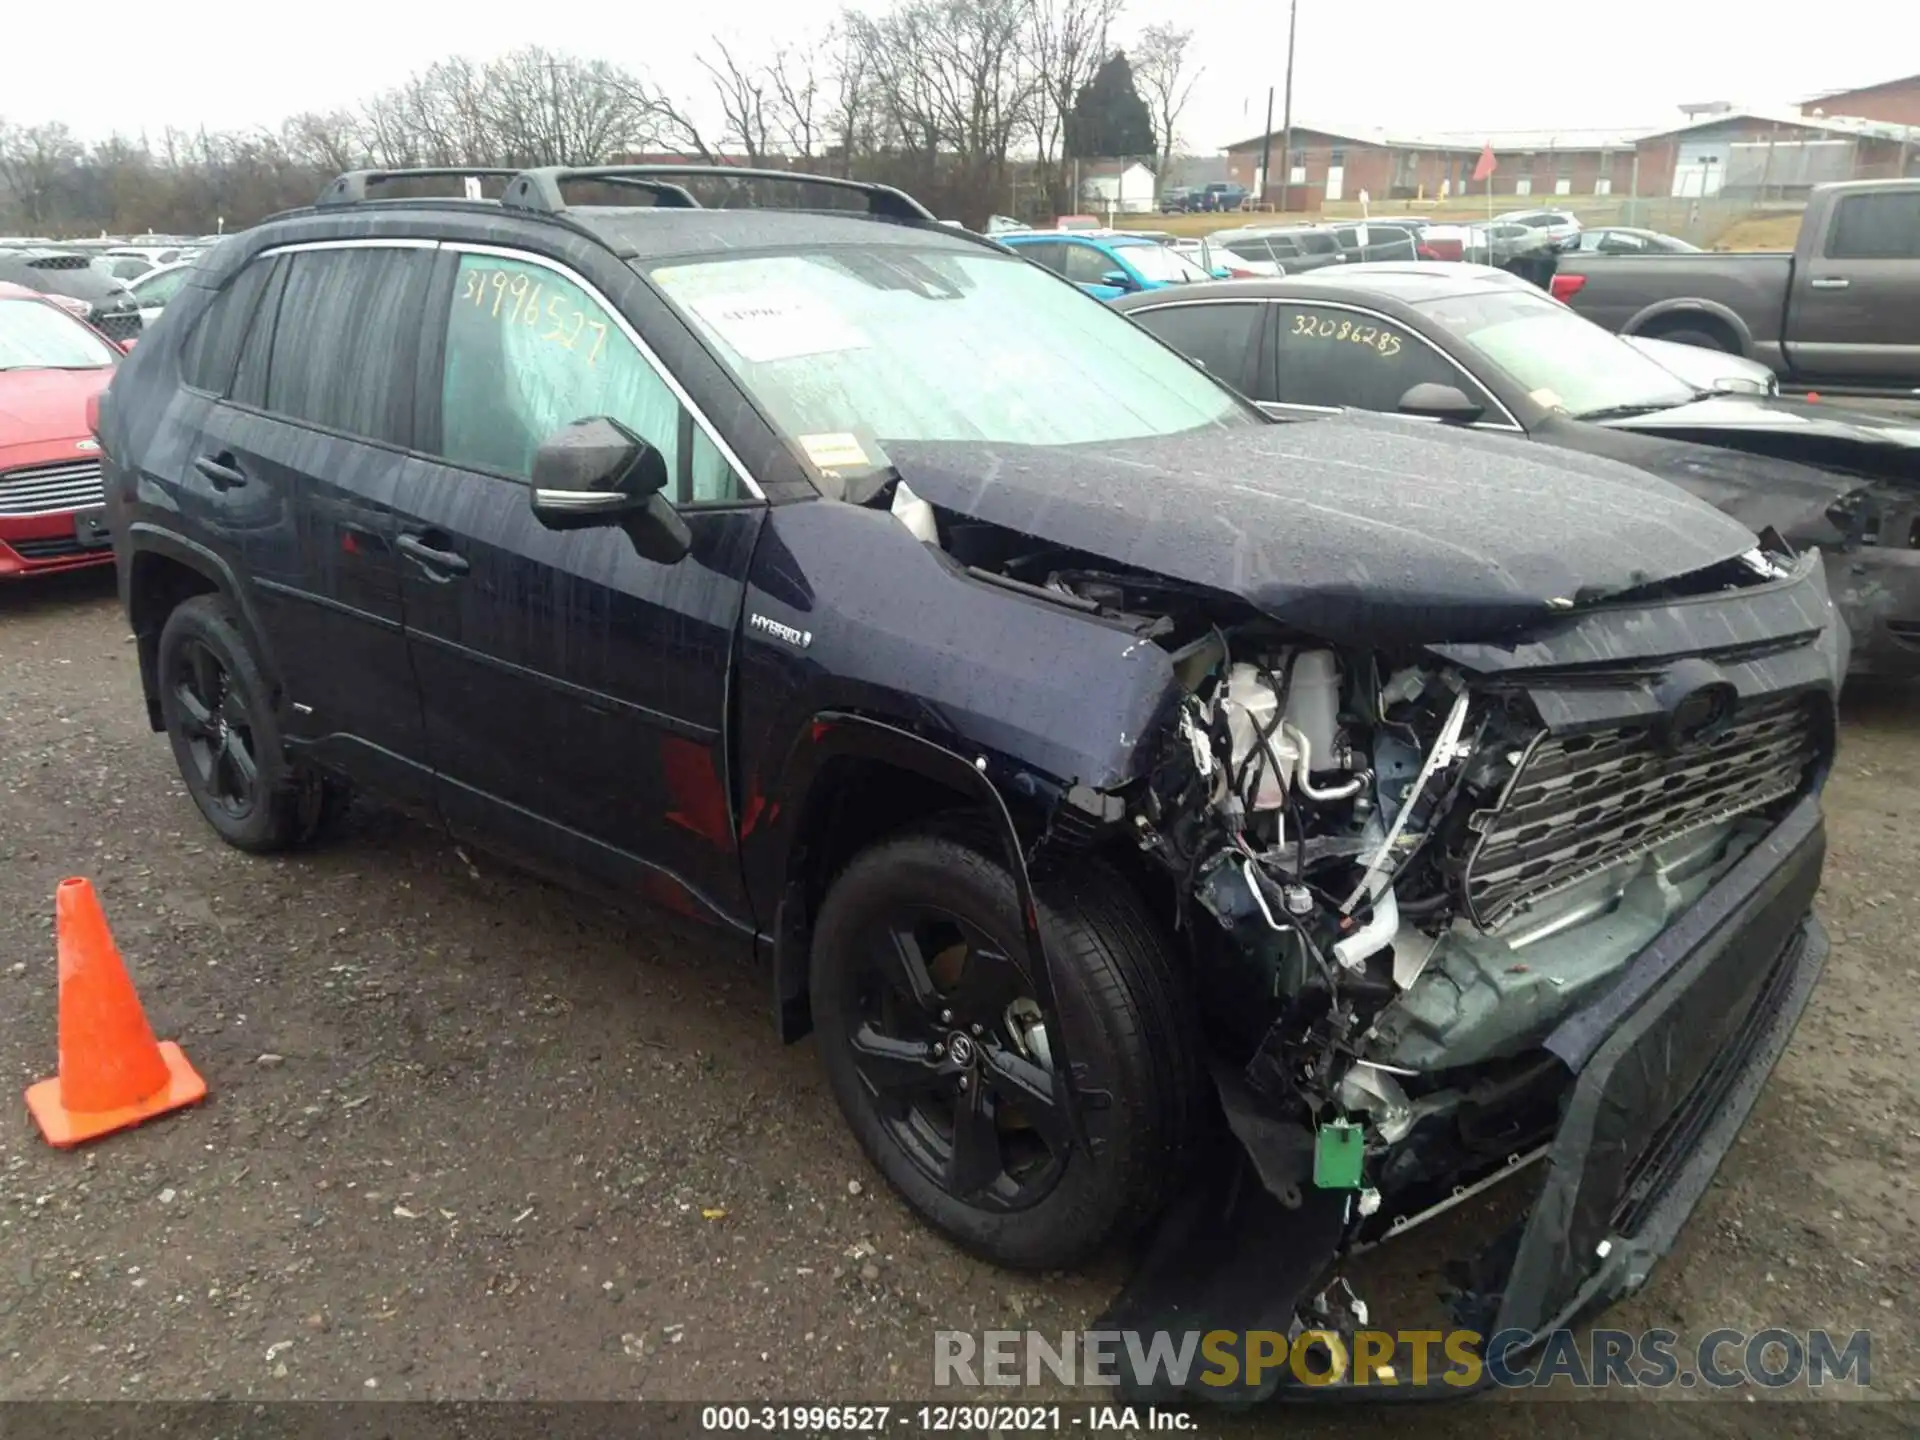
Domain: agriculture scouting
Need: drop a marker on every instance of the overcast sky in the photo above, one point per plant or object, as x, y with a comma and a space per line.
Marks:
1404, 65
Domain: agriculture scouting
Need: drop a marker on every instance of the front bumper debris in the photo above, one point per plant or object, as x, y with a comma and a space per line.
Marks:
1664, 1069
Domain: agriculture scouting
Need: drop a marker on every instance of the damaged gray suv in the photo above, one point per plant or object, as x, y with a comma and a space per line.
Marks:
1170, 822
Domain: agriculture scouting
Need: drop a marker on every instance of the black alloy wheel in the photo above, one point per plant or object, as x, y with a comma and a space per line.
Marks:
945, 1067
216, 721
216, 706
947, 1037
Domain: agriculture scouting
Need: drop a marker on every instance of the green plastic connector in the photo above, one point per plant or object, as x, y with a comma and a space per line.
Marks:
1339, 1154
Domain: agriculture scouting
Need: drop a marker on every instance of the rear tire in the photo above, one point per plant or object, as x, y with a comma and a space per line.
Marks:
218, 712
962, 1136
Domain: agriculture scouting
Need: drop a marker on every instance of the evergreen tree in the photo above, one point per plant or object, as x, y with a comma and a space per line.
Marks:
1109, 120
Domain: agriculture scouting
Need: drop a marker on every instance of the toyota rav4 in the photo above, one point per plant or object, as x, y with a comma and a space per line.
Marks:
1162, 816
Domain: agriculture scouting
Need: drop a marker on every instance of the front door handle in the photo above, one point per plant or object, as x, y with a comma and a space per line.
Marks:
439, 564
220, 470
1829, 282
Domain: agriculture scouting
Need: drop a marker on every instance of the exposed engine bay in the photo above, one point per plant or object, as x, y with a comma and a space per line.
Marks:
1398, 886
1394, 882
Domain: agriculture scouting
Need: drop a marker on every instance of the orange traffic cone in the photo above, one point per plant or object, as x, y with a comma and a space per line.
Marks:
112, 1073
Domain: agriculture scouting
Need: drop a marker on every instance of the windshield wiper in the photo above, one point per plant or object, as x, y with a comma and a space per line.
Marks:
1621, 412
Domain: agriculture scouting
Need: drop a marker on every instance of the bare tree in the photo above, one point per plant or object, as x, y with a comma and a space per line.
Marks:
742, 90
1067, 41
1159, 59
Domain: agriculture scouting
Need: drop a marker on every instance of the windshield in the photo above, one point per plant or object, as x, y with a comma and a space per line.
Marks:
35, 336
1562, 360
852, 347
1157, 263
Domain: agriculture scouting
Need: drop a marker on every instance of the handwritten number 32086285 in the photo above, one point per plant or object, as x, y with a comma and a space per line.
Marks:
515, 299
1317, 327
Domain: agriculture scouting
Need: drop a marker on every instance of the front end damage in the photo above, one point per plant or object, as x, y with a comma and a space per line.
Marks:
1536, 911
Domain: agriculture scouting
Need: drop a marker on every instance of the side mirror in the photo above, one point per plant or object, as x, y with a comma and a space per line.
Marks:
597, 472
1119, 279
1445, 403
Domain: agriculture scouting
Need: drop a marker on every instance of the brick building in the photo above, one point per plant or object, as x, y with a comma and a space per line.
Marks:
1334, 165
1755, 155
1724, 150
1894, 102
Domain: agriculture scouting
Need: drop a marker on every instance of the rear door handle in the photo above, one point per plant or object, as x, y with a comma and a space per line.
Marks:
1829, 282
220, 470
439, 564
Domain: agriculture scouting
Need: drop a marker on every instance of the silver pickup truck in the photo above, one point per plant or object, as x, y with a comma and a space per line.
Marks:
1842, 310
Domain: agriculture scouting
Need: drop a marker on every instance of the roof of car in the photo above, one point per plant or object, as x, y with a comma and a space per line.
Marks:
1408, 282
675, 223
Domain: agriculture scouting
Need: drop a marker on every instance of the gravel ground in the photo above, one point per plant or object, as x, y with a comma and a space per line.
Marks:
472, 1137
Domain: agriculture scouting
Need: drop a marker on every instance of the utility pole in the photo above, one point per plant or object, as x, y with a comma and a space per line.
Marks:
1286, 122
1266, 151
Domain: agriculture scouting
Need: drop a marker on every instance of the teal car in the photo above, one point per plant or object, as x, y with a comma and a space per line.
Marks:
1108, 266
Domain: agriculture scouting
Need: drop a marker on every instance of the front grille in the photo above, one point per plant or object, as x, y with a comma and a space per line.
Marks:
57, 547
122, 325
1679, 1136
1582, 803
49, 489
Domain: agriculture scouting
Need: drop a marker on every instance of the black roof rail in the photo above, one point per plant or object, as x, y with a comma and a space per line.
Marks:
351, 188
539, 190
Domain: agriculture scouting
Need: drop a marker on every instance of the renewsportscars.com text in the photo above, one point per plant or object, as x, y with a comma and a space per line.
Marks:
1464, 1359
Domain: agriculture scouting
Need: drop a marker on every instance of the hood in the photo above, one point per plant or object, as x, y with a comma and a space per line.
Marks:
1758, 490
1858, 441
38, 407
1364, 528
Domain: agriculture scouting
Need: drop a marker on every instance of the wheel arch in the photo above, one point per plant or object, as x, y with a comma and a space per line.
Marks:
162, 570
1696, 313
854, 780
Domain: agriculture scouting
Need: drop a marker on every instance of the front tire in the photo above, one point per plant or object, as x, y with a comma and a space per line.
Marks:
931, 1038
217, 709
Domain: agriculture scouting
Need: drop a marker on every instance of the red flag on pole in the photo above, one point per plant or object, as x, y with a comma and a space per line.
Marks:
1485, 166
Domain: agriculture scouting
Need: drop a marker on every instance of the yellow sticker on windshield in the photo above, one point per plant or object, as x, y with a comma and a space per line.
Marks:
1547, 399
834, 450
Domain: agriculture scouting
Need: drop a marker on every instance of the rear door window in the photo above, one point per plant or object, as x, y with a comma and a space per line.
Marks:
1877, 227
1048, 254
1353, 358
207, 359
529, 351
249, 384
345, 344
1318, 242
1220, 337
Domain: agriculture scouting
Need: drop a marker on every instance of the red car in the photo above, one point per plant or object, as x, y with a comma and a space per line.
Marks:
53, 368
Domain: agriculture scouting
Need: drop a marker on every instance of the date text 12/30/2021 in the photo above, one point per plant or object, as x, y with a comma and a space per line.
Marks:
940, 1419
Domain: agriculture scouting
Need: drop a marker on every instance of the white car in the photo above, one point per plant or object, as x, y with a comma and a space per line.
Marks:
130, 262
155, 288
1708, 369
1555, 224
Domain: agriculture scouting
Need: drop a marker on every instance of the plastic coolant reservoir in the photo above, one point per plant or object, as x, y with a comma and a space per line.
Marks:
1313, 702
1251, 703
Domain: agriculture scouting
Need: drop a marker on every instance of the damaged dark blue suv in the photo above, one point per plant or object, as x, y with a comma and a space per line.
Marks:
1162, 816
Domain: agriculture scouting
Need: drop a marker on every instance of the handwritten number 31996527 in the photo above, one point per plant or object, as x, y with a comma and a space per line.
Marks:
515, 299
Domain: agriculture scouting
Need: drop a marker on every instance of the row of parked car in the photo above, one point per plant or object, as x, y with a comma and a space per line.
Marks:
1525, 241
116, 286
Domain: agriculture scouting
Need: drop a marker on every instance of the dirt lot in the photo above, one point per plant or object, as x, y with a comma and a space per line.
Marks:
470, 1137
